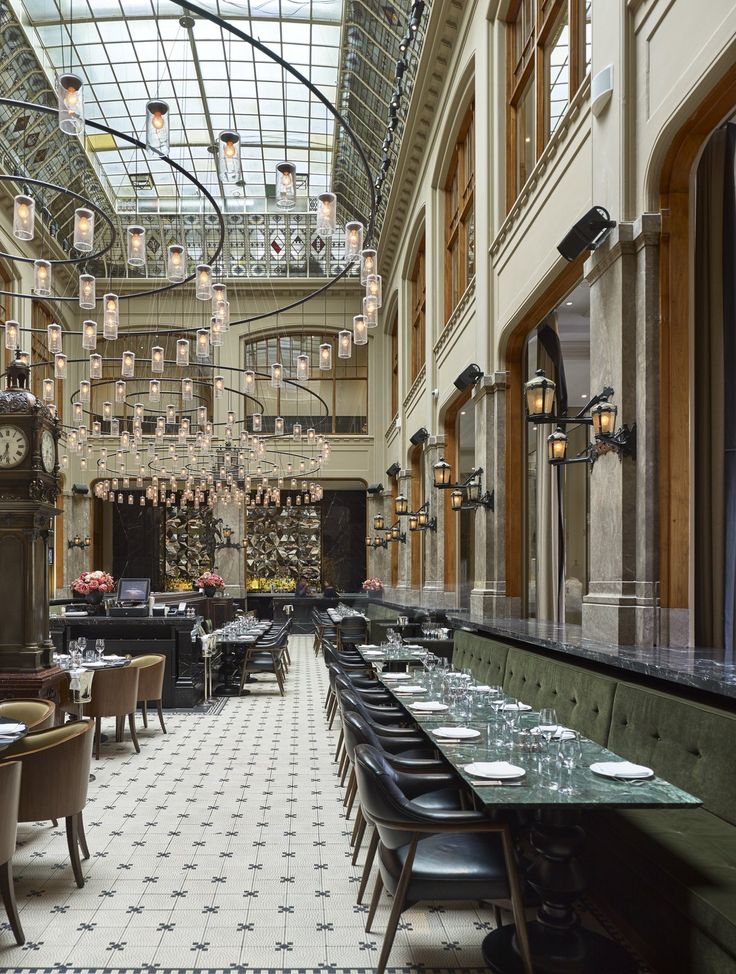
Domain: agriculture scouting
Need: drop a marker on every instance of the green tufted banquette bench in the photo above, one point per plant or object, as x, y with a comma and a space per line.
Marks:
670, 874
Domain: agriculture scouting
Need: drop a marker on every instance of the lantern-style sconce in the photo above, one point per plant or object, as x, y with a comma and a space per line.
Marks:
176, 264
540, 397
396, 534
401, 505
286, 185
326, 214
557, 446
413, 522
353, 240
203, 282
42, 278
229, 156
378, 522
24, 217
456, 499
368, 265
604, 415
84, 229
157, 126
136, 238
70, 102
87, 291
442, 474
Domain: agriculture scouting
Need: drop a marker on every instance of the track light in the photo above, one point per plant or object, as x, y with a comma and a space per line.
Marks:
468, 377
400, 68
587, 234
405, 42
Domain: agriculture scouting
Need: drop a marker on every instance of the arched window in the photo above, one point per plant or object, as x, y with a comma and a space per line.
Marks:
332, 400
460, 215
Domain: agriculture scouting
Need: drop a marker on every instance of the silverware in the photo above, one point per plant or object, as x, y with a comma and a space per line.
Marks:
502, 784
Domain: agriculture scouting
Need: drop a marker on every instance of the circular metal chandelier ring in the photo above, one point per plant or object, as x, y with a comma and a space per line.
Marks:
6, 177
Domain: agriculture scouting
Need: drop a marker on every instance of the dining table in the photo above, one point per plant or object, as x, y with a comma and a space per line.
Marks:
392, 655
544, 804
232, 642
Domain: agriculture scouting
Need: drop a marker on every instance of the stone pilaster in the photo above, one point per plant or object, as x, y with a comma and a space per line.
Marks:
378, 560
77, 521
621, 602
403, 584
433, 586
230, 562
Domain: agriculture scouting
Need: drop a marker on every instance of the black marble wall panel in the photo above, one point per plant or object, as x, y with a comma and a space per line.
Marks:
343, 538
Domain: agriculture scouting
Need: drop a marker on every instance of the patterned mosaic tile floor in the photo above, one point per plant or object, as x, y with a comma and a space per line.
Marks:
222, 846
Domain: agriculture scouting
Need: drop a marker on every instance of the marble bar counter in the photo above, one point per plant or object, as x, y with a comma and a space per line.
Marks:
170, 636
699, 669
272, 605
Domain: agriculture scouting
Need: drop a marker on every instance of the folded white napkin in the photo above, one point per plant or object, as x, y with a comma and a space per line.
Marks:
622, 769
516, 706
8, 727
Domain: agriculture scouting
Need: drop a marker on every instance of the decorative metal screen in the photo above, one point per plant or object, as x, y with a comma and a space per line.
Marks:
282, 544
189, 547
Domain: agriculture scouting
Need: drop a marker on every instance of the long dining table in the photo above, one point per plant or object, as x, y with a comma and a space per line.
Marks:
545, 820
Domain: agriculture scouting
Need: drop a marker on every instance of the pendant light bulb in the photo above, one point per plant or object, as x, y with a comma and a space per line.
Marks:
42, 278
176, 264
89, 335
157, 126
286, 185
84, 229
203, 282
111, 316
353, 240
326, 214
344, 344
87, 291
24, 217
70, 102
368, 264
360, 330
229, 156
182, 352
136, 249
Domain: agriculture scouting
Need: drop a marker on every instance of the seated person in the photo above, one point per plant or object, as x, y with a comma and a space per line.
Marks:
302, 587
329, 591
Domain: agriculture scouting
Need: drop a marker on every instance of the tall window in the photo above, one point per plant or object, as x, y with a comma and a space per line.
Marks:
460, 216
331, 401
394, 336
418, 312
548, 56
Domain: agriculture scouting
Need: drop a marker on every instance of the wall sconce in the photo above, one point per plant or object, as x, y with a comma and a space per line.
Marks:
378, 522
401, 505
77, 542
396, 534
227, 534
421, 521
466, 495
598, 413
376, 543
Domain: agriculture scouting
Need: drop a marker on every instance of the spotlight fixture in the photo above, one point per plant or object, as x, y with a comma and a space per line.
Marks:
587, 234
374, 489
468, 377
393, 470
421, 436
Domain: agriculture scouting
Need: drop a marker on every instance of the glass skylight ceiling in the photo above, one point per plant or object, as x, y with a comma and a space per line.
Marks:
128, 51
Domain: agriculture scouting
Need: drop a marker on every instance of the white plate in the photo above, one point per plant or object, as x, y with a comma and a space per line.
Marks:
396, 676
428, 706
621, 769
11, 728
521, 707
561, 734
410, 689
498, 770
94, 665
456, 733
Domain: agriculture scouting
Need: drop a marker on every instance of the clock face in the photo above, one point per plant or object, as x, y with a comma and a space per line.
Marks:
13, 446
48, 451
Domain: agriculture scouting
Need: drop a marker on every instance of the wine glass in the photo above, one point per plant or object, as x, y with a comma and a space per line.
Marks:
100, 648
548, 727
569, 754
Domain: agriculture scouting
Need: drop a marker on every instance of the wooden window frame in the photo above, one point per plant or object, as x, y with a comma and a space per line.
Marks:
459, 212
394, 353
526, 64
418, 282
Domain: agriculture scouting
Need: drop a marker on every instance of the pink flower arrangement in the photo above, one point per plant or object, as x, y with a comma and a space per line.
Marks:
93, 582
210, 580
372, 585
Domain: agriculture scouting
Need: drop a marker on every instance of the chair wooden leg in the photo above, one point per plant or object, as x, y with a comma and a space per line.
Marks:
377, 889
160, 716
144, 712
498, 918
351, 802
358, 820
133, 735
370, 856
339, 744
119, 728
55, 822
332, 716
344, 765
82, 837
397, 908
72, 840
359, 833
7, 895
98, 734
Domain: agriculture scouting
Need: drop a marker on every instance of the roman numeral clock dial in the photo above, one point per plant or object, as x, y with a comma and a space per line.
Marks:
13, 446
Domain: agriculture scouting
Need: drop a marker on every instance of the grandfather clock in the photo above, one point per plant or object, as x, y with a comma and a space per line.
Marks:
29, 486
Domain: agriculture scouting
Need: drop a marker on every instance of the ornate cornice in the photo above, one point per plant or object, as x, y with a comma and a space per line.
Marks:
392, 432
558, 141
413, 393
455, 318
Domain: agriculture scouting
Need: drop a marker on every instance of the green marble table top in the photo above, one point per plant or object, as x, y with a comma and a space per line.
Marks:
392, 654
587, 789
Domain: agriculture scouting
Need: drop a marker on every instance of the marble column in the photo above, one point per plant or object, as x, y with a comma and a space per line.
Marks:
403, 584
433, 586
488, 596
378, 560
230, 562
77, 521
621, 603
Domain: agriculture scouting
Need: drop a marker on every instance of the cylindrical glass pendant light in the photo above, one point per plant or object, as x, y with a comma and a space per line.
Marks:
84, 229
219, 385
310, 437
53, 333
121, 390
370, 312
229, 156
136, 237
219, 296
368, 264
48, 390
42, 278
85, 389
95, 366
154, 390
127, 365
202, 344
326, 214
203, 282
60, 366
157, 126
87, 291
89, 335
215, 331
360, 330
249, 380
111, 317
325, 356
171, 413
302, 367
24, 217
286, 185
278, 426
344, 344
176, 264
277, 374
157, 359
202, 416
353, 240
12, 334
187, 389
77, 413
70, 101
182, 352
257, 422
374, 288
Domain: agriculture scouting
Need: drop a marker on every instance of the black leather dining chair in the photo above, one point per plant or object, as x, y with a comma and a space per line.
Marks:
434, 855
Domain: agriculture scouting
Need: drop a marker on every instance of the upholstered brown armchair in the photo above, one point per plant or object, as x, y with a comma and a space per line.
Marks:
9, 798
54, 781
114, 694
35, 714
150, 684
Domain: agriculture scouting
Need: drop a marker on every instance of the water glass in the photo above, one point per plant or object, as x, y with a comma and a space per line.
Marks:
100, 648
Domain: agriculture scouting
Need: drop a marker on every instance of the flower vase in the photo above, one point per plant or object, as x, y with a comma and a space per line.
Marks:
209, 591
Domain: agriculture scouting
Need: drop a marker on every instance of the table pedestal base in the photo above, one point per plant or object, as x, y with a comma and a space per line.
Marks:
576, 952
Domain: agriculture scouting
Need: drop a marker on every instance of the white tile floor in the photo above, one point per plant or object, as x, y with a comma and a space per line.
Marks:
222, 846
